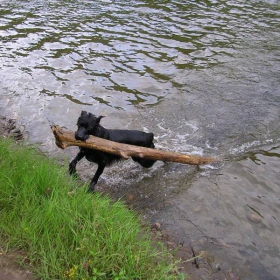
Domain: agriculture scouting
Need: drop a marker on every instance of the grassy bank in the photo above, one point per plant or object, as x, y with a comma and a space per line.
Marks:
67, 233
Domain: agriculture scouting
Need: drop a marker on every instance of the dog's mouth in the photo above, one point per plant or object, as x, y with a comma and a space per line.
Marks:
81, 134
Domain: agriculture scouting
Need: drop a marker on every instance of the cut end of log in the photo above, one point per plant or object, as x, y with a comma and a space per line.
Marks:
56, 131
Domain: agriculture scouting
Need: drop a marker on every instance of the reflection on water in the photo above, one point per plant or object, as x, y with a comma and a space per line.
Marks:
122, 55
202, 75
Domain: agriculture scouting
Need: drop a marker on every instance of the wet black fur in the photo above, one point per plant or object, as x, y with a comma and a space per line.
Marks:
88, 124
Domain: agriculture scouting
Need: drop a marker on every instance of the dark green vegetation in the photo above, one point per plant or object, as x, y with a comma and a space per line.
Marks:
67, 233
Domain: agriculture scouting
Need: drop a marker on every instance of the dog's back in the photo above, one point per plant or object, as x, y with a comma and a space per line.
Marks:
132, 137
137, 138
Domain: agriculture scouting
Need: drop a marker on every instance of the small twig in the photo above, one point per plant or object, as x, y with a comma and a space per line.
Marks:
195, 257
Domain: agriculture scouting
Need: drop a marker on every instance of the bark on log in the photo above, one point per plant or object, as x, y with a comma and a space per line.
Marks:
65, 138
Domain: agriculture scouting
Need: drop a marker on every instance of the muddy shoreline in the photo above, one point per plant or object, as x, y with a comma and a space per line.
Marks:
10, 268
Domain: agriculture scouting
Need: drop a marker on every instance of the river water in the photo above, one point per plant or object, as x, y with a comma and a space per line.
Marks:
202, 75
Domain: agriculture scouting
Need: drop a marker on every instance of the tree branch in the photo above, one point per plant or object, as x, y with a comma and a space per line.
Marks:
65, 138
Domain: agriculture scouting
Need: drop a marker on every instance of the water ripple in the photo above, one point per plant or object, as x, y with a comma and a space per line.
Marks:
138, 52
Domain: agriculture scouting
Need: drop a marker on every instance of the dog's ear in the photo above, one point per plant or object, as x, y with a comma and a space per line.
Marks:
99, 118
83, 113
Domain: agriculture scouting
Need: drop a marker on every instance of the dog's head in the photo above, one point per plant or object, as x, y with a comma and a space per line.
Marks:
87, 125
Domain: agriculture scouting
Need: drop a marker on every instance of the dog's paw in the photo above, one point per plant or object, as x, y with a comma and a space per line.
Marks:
90, 190
91, 187
72, 169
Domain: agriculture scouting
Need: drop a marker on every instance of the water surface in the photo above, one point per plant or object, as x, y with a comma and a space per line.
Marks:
202, 75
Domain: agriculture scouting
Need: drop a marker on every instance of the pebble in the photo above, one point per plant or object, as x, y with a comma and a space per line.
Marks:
129, 197
254, 218
158, 226
218, 266
197, 209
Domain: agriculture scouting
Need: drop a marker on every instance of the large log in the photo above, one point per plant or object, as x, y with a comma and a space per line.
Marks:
65, 138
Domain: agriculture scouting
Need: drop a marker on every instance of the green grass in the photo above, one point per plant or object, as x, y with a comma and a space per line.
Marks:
67, 233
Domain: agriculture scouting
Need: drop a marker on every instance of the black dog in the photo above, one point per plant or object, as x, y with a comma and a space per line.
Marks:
88, 124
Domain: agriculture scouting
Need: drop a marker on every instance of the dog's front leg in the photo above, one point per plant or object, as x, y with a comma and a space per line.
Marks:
94, 180
73, 163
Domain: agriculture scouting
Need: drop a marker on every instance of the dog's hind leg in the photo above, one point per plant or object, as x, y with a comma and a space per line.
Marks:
73, 163
94, 180
147, 163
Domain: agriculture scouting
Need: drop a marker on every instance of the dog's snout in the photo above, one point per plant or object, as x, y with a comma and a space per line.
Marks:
81, 134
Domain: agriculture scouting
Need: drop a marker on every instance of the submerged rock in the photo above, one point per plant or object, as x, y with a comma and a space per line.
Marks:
254, 218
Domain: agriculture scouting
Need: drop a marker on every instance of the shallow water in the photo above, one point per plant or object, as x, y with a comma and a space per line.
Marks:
203, 76
232, 215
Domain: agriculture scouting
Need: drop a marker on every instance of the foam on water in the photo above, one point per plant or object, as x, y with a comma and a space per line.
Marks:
250, 146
